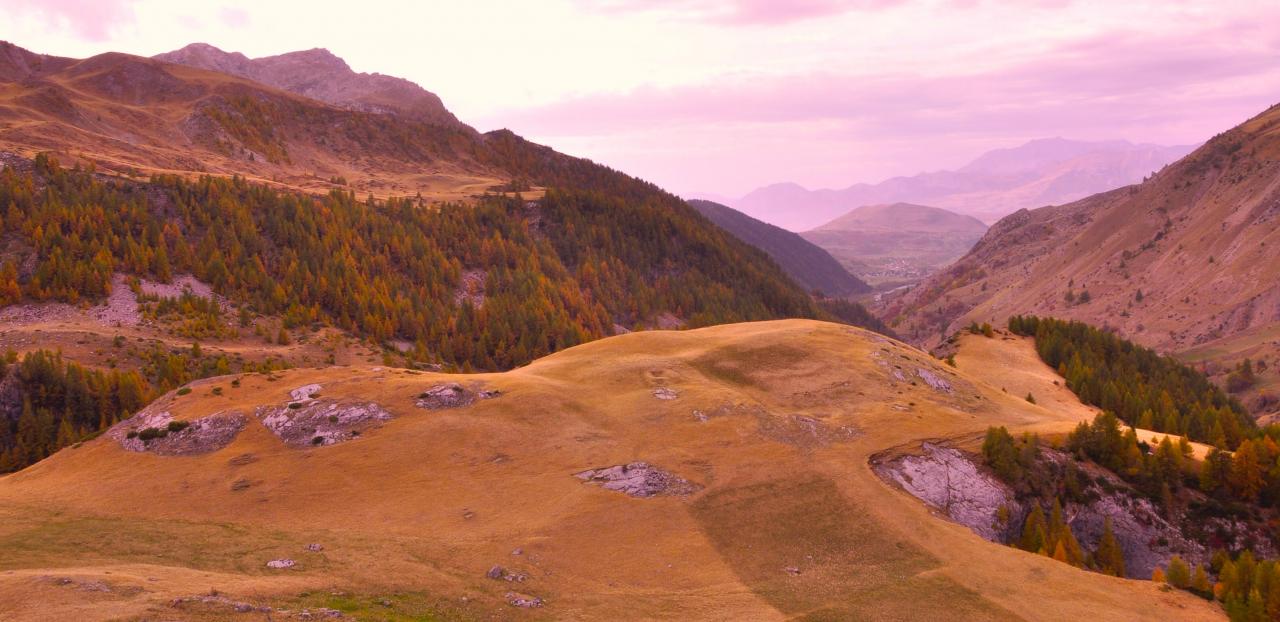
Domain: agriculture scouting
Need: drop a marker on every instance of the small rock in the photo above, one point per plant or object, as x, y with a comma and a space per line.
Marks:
281, 563
791, 570
523, 600
315, 548
664, 393
518, 552
495, 573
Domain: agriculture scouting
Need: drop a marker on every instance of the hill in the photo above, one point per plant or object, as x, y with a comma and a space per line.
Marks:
900, 243
1183, 262
810, 266
1040, 172
749, 493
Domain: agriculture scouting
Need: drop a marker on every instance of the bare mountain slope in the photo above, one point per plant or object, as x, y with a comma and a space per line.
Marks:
807, 264
1041, 172
130, 114
319, 74
898, 243
1182, 261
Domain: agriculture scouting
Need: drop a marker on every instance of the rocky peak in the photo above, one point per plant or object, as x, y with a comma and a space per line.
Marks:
320, 74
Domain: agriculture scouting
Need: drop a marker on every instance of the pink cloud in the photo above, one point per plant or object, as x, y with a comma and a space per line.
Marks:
92, 20
234, 17
819, 127
740, 12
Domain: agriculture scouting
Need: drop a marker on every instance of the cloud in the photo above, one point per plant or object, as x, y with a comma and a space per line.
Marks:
832, 129
92, 20
1120, 77
738, 12
234, 17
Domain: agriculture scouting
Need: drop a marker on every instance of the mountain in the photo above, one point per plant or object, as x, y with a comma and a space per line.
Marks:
1184, 262
1040, 172
723, 473
121, 177
318, 74
805, 263
898, 243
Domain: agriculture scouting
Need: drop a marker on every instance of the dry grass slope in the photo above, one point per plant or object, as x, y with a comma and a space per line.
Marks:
774, 421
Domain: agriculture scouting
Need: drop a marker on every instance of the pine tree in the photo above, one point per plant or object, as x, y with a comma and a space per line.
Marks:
1178, 575
1034, 532
1109, 556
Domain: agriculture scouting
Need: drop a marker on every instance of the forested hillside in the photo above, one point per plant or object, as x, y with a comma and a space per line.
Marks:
555, 273
807, 264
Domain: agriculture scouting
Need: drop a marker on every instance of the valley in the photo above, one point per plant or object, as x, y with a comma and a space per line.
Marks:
283, 337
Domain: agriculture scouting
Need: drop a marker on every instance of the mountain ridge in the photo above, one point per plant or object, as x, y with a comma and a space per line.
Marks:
992, 185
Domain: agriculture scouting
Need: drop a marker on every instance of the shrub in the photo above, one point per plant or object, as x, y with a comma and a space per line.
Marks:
1031, 398
295, 405
317, 440
184, 390
178, 426
152, 433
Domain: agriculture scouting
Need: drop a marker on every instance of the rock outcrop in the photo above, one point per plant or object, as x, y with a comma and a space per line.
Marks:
321, 422
452, 395
956, 485
948, 481
159, 433
638, 479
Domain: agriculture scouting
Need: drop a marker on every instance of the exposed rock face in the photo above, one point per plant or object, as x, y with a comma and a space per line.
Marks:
950, 482
159, 433
638, 479
321, 422
280, 564
953, 482
452, 395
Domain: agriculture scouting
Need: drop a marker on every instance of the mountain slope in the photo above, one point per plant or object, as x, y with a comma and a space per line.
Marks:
897, 243
1185, 260
1040, 172
318, 74
804, 262
768, 508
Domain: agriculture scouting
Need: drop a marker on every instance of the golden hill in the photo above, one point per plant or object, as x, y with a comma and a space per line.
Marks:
762, 433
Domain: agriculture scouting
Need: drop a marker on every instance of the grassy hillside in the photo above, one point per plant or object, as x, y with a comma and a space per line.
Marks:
806, 264
772, 425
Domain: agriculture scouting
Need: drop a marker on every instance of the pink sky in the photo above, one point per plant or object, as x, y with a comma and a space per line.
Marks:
725, 96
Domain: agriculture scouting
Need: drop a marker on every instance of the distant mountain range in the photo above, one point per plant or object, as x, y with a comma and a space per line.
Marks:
1041, 172
807, 264
899, 243
1185, 262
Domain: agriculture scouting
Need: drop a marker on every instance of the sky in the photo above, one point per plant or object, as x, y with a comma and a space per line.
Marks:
723, 96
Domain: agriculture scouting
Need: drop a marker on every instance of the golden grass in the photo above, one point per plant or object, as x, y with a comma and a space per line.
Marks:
416, 512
